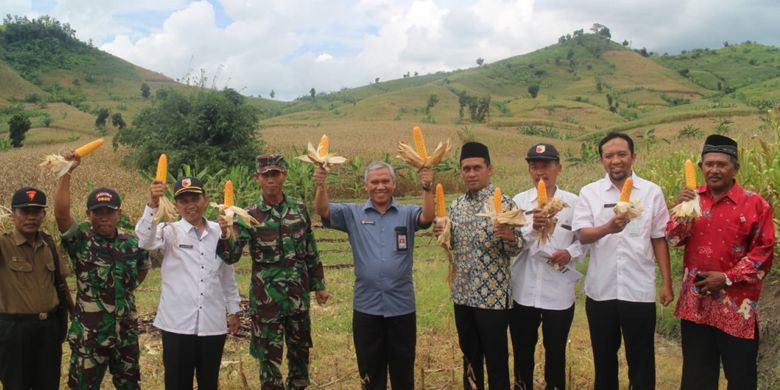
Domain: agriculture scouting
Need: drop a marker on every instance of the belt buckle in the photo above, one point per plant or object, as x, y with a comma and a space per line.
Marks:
43, 316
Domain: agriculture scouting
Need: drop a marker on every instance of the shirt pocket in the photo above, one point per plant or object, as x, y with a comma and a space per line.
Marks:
20, 264
265, 245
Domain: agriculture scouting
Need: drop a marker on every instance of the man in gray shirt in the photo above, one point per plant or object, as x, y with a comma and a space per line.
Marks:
381, 234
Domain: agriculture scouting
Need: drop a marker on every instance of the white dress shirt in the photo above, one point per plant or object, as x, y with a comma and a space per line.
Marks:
198, 288
622, 265
536, 283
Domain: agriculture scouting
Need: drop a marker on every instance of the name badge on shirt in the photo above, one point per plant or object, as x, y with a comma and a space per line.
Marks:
401, 239
366, 222
609, 205
185, 246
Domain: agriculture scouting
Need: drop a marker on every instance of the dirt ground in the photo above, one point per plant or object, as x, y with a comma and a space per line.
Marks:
769, 349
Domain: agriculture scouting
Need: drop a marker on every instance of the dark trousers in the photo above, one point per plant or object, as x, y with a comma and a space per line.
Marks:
382, 343
704, 347
482, 339
187, 355
524, 324
609, 319
30, 354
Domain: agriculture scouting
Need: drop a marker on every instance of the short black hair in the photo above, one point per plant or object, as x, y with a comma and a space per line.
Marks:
613, 135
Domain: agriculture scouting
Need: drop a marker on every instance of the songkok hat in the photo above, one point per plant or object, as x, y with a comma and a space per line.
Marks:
717, 143
474, 149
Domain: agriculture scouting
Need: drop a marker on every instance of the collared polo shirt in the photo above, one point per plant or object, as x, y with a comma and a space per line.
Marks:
383, 272
622, 265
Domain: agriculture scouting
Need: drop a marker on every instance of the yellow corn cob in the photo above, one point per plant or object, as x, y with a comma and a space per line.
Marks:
419, 143
497, 200
229, 197
324, 145
690, 175
541, 193
162, 168
625, 195
441, 211
89, 148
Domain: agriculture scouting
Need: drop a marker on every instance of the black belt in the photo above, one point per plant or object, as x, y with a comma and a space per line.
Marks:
29, 317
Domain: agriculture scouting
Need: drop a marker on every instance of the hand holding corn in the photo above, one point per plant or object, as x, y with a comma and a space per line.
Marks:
688, 207
61, 165
322, 156
418, 156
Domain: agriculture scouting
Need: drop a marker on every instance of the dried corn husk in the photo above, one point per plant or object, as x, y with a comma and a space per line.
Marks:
550, 210
512, 217
166, 211
632, 209
445, 241
234, 212
322, 156
60, 166
5, 219
410, 156
688, 211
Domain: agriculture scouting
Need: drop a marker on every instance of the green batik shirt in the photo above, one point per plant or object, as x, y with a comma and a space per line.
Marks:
482, 276
106, 276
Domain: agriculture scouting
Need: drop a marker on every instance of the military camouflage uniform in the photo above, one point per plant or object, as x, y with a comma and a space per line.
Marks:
285, 269
104, 331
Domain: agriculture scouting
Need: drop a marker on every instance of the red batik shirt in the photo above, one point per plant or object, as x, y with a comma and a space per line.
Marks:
734, 235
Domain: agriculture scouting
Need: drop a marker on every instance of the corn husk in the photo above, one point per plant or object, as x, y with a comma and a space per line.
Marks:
550, 210
409, 155
166, 211
688, 211
5, 219
321, 155
445, 242
513, 218
632, 209
58, 165
233, 213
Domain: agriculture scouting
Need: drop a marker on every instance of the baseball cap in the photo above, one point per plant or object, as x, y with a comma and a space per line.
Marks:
271, 162
542, 152
103, 197
188, 184
28, 197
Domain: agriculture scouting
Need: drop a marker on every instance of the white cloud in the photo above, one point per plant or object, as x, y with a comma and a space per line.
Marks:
291, 46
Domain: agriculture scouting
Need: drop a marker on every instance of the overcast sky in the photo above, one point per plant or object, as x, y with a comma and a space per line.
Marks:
291, 46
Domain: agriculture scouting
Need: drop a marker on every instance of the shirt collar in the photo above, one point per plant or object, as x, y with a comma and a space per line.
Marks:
637, 182
20, 239
370, 205
266, 207
482, 194
736, 193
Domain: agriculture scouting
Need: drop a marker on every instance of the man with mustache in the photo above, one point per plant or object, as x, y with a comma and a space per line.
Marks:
381, 234
286, 268
109, 266
728, 251
33, 299
198, 288
620, 282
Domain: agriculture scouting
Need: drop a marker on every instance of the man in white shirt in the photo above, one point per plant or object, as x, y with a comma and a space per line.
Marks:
198, 288
543, 277
620, 282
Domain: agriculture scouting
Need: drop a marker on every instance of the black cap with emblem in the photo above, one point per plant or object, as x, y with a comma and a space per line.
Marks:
542, 152
28, 197
188, 184
103, 197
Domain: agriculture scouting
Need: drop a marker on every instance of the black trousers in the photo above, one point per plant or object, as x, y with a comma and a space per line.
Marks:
482, 338
30, 354
704, 347
609, 319
524, 324
383, 343
187, 355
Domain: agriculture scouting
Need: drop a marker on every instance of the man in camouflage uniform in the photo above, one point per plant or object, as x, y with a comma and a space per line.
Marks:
285, 269
108, 266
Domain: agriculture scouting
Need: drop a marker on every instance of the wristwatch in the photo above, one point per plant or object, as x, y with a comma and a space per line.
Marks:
728, 281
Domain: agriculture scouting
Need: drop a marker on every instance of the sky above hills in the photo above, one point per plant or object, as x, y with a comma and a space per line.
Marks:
291, 46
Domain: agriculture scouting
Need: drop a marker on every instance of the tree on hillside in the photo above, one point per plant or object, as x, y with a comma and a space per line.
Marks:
207, 128
145, 90
102, 116
480, 61
313, 93
533, 90
18, 126
272, 94
432, 100
118, 121
601, 30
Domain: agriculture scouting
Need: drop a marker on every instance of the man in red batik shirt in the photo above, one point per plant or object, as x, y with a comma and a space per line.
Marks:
728, 251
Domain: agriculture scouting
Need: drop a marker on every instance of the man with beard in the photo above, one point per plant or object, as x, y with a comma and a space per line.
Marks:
109, 266
620, 282
198, 288
728, 251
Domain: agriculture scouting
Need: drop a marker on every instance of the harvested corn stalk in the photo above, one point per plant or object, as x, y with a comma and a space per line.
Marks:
494, 211
166, 211
59, 165
549, 209
5, 219
322, 156
625, 206
445, 238
689, 210
231, 211
418, 156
